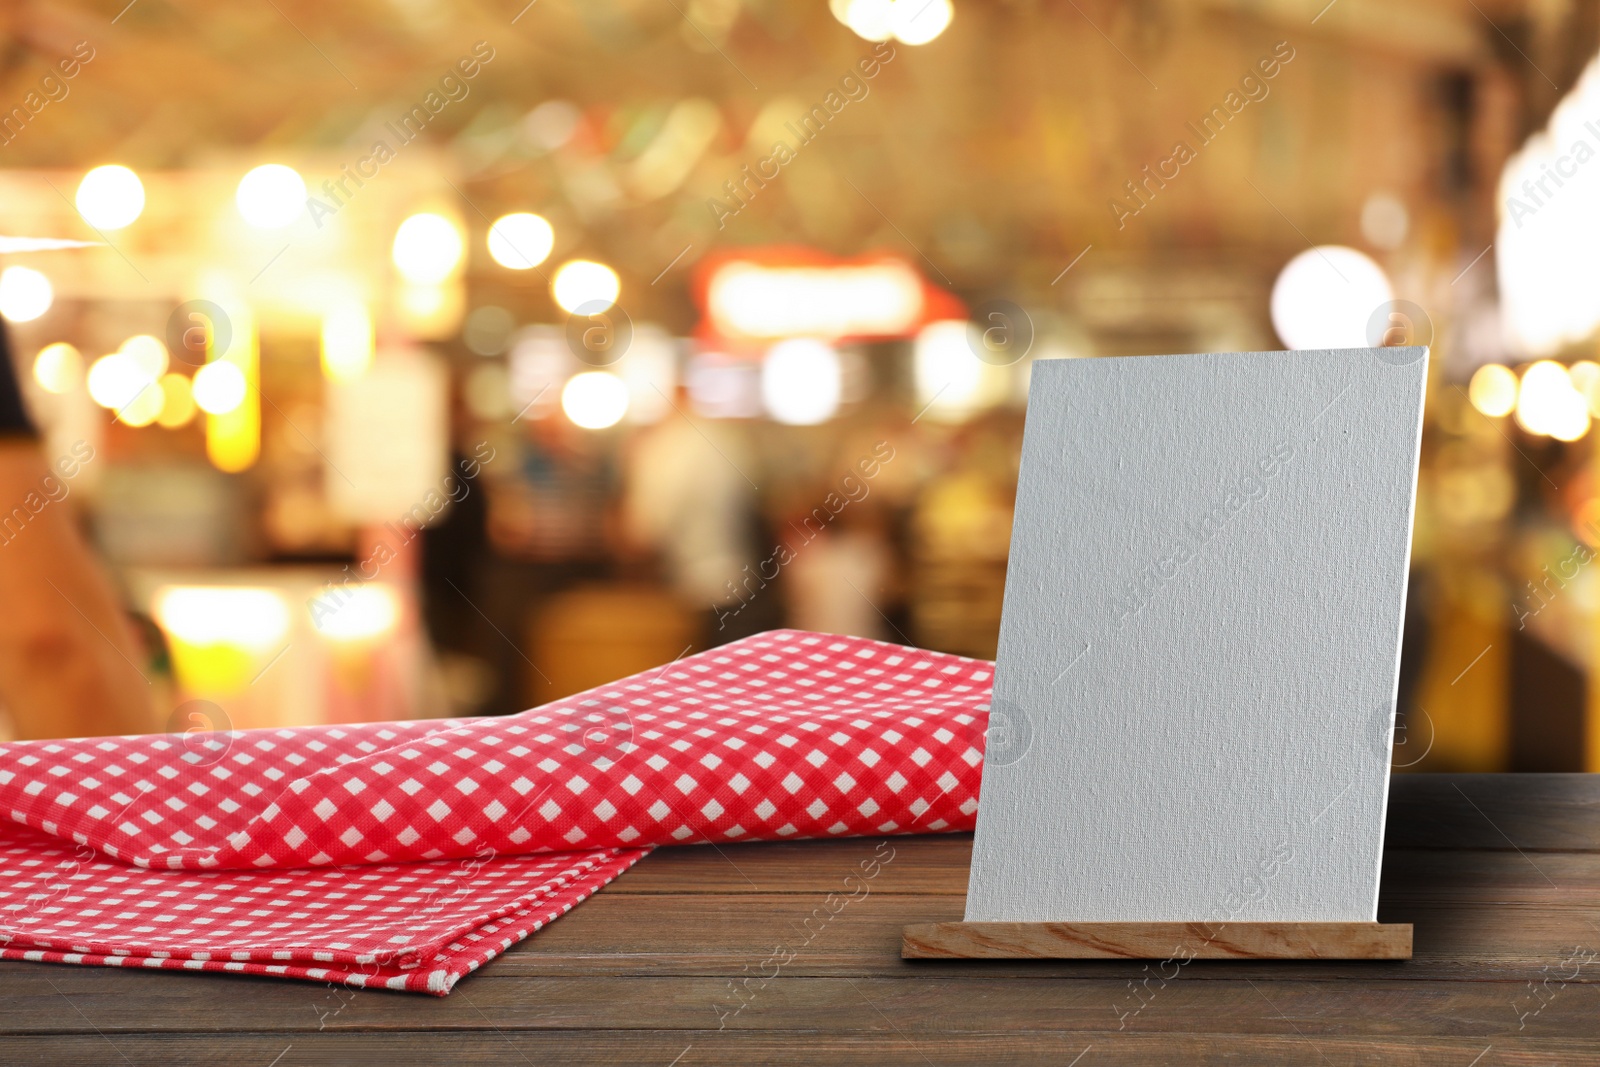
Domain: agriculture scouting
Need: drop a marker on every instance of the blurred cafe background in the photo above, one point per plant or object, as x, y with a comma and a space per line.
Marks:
417, 358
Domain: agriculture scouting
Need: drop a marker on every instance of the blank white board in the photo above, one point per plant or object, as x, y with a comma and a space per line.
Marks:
1199, 648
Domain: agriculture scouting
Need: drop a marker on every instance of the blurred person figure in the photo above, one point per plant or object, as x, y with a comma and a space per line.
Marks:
67, 651
837, 582
684, 499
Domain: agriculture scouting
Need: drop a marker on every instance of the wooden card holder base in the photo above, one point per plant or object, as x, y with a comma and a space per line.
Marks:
1158, 941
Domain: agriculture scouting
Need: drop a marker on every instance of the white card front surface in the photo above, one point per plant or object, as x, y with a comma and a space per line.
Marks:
1199, 649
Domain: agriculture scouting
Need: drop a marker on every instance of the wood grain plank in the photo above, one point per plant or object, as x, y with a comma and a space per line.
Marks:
1532, 812
919, 1006
1156, 941
1500, 876
681, 1048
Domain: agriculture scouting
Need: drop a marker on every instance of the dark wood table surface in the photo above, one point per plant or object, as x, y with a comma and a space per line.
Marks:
738, 956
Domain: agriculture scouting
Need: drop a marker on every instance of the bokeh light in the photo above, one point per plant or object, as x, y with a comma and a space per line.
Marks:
1549, 405
358, 614
917, 22
347, 342
427, 248
211, 615
583, 283
1493, 390
1325, 297
801, 382
595, 400
1585, 375
147, 353
110, 197
177, 402
520, 241
58, 368
25, 294
219, 387
114, 380
871, 20
271, 196
145, 406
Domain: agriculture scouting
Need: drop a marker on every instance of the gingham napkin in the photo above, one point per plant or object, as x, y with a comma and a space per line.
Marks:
406, 855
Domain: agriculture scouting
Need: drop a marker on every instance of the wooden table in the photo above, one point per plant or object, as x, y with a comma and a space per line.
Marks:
1500, 874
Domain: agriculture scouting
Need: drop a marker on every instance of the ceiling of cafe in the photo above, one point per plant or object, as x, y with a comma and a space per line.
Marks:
1001, 149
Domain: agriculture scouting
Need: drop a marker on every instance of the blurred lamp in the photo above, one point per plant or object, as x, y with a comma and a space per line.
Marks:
951, 381
145, 407
521, 241
869, 19
218, 615
1493, 390
919, 21
1585, 375
219, 387
110, 197
271, 196
875, 299
583, 283
25, 294
427, 248
147, 353
357, 614
347, 343
801, 382
115, 380
595, 399
58, 368
1549, 404
1325, 296
177, 402
1547, 245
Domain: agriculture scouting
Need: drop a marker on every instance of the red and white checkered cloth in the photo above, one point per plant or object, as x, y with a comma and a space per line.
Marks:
405, 855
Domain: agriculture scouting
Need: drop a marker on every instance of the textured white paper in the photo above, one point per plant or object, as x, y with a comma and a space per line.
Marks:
1200, 643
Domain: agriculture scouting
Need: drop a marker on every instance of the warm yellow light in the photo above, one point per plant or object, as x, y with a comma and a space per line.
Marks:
145, 406
952, 383
110, 197
358, 614
871, 19
220, 615
1493, 390
1549, 404
115, 380
583, 283
876, 299
1585, 376
228, 389
58, 368
271, 196
1573, 425
919, 21
427, 248
25, 294
178, 406
147, 353
219, 387
595, 399
801, 382
347, 343
1325, 296
521, 241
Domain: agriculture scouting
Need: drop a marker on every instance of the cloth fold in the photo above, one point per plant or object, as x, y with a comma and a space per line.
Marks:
408, 854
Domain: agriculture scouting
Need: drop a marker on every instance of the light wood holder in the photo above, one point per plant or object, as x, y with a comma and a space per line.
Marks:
1158, 941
